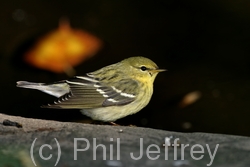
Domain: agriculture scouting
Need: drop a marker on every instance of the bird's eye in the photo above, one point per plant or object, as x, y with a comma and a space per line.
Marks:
143, 68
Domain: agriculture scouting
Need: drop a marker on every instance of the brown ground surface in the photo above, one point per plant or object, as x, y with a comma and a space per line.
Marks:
120, 141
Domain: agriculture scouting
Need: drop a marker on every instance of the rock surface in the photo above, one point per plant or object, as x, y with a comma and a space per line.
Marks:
73, 144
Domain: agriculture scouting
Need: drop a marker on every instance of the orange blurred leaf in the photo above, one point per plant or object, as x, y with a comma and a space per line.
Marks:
62, 49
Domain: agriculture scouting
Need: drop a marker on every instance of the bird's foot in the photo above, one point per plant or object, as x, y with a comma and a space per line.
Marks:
114, 124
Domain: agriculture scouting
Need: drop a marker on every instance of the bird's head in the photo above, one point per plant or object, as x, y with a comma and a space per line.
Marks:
140, 68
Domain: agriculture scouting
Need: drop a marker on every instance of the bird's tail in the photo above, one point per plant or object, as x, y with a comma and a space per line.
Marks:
54, 89
30, 85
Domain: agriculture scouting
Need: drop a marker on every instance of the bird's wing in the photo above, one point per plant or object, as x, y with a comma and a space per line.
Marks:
88, 92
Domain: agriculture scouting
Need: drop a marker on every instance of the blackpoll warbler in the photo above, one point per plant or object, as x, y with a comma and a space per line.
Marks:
108, 94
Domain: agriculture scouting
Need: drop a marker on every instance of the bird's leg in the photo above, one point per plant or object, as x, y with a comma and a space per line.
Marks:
115, 124
104, 123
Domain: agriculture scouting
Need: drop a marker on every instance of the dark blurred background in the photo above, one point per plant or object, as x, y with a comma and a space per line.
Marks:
203, 44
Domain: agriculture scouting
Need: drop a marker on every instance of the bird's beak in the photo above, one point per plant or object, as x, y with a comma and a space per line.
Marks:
159, 70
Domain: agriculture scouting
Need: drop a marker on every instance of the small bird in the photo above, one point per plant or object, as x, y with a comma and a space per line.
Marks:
108, 94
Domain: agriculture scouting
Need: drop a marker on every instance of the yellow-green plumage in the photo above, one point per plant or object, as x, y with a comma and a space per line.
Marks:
107, 94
